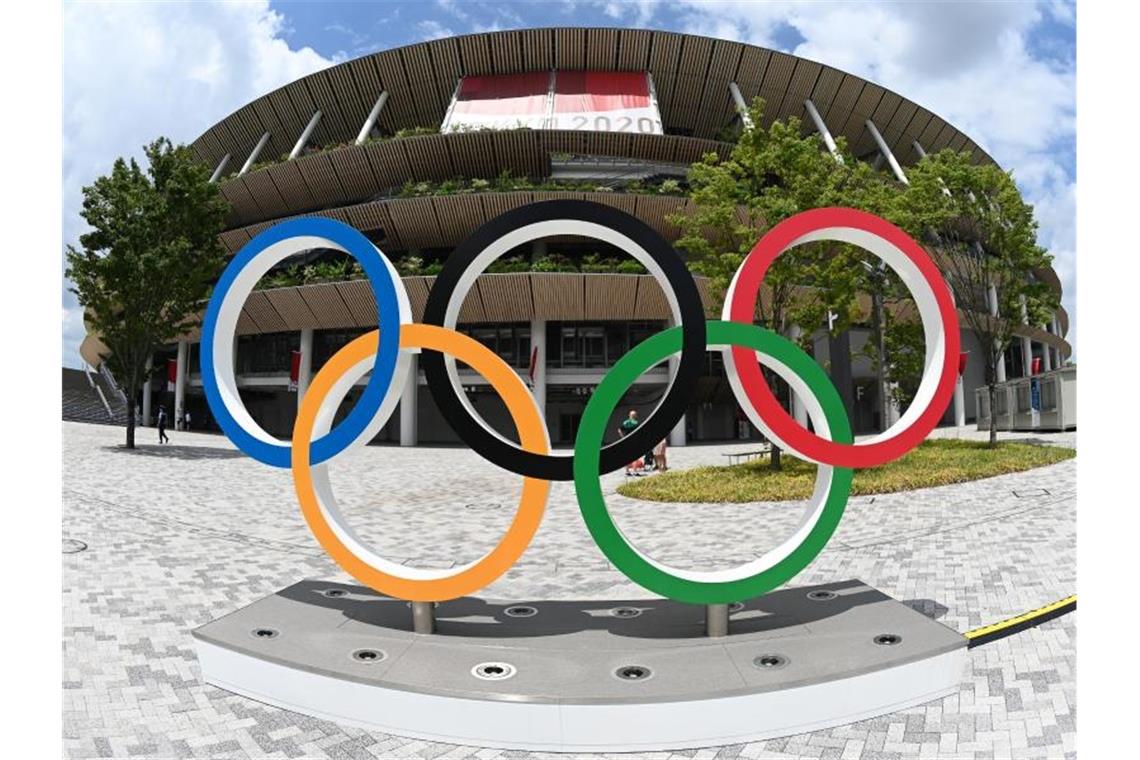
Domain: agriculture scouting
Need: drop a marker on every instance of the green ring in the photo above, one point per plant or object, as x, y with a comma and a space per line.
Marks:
587, 483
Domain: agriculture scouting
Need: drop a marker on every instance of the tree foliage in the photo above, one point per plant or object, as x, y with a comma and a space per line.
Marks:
148, 262
970, 216
773, 173
984, 237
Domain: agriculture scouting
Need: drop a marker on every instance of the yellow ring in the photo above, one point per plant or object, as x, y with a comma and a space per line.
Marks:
532, 438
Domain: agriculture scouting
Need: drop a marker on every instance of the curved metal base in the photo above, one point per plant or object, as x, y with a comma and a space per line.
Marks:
584, 676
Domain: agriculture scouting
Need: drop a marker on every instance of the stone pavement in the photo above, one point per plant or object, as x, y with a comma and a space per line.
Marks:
179, 535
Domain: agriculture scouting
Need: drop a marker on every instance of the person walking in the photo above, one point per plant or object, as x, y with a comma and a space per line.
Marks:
186, 420
659, 462
628, 425
162, 436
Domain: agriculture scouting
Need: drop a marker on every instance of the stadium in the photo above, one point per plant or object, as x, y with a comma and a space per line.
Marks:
418, 146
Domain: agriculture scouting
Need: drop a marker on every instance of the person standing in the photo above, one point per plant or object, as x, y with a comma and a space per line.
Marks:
162, 436
186, 420
659, 462
628, 425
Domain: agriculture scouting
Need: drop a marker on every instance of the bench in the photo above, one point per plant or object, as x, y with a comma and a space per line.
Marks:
746, 456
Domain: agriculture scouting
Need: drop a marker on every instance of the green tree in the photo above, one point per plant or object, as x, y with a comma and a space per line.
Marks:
984, 236
148, 262
771, 174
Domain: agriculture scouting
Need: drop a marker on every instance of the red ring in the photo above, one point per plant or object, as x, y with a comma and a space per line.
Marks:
742, 308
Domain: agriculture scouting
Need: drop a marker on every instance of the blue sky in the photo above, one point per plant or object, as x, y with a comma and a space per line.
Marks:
1005, 73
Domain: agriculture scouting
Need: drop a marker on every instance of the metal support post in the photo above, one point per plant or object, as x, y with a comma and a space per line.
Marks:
254, 154
423, 617
886, 151
716, 620
304, 138
373, 115
221, 168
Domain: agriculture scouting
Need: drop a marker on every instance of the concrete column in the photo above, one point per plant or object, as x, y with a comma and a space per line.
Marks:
799, 411
305, 371
146, 394
891, 412
993, 299
254, 154
839, 350
1026, 344
1056, 330
959, 403
537, 249
373, 115
1047, 350
538, 341
678, 436
409, 402
180, 383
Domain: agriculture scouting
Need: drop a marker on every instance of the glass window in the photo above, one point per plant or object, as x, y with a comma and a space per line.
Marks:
271, 353
571, 356
617, 341
508, 347
593, 341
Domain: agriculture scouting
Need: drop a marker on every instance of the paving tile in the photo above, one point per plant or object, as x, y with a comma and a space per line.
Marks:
182, 534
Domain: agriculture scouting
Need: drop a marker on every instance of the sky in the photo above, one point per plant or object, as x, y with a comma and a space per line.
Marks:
1002, 72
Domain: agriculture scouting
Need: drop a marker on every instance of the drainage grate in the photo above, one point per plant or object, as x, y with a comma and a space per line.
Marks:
369, 655
520, 611
488, 506
887, 639
73, 546
633, 673
770, 661
625, 612
265, 633
821, 595
494, 671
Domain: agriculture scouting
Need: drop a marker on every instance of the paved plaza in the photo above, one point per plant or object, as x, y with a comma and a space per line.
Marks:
181, 534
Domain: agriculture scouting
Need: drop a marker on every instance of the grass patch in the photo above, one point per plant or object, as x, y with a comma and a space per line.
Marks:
936, 462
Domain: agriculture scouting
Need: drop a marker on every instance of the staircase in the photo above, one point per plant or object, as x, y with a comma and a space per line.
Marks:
88, 397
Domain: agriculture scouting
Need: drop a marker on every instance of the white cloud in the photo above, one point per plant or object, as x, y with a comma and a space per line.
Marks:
433, 30
135, 71
971, 63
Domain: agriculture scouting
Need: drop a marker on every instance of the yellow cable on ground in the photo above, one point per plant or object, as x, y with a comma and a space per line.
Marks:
995, 631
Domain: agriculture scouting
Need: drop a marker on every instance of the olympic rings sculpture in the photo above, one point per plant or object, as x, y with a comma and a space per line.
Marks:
383, 354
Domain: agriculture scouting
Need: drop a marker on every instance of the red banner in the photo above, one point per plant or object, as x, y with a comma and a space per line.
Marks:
503, 101
962, 359
171, 373
1035, 365
294, 370
595, 101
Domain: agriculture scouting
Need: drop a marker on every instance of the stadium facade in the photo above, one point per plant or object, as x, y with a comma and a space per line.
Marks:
418, 146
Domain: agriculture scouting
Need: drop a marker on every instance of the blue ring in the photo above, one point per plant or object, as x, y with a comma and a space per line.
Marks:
387, 314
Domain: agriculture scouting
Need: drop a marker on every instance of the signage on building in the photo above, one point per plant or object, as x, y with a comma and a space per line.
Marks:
592, 101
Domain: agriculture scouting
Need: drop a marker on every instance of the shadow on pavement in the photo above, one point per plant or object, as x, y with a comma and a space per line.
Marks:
634, 618
173, 451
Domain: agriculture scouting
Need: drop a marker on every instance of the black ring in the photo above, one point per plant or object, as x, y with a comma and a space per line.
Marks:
660, 421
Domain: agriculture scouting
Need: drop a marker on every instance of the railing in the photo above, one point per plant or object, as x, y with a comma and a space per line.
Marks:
1018, 407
